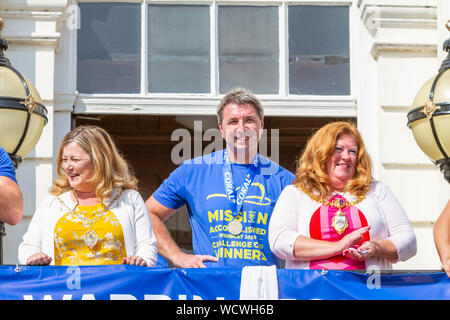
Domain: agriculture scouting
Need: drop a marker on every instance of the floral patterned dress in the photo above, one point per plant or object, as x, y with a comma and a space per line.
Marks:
71, 230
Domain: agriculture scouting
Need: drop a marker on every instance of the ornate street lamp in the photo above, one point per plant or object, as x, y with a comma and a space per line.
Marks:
429, 118
22, 115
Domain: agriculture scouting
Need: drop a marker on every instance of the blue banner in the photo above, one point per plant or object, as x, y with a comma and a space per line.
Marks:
345, 285
124, 282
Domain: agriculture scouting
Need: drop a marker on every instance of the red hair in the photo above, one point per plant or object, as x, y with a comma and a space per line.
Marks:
311, 172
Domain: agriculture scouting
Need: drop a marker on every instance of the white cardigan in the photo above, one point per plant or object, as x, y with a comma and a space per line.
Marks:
129, 209
387, 220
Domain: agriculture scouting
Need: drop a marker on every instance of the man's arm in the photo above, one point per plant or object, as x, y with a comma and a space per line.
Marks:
166, 244
441, 232
11, 201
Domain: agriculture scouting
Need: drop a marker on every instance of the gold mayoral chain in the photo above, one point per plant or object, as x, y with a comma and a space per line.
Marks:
339, 221
90, 237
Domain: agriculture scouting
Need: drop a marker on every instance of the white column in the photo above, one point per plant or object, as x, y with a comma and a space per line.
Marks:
65, 81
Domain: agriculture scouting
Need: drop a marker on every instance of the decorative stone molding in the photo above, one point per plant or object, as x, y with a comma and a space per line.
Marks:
422, 49
401, 28
191, 105
64, 102
42, 5
375, 17
33, 22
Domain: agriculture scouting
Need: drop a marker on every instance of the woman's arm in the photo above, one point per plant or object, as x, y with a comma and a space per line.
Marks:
32, 240
312, 249
283, 224
441, 233
400, 244
145, 245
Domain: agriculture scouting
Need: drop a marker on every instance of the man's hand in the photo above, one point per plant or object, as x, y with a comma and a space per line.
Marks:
184, 260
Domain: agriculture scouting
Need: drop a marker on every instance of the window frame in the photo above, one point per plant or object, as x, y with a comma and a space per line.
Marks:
281, 104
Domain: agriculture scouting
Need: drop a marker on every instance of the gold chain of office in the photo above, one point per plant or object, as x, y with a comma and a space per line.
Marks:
335, 204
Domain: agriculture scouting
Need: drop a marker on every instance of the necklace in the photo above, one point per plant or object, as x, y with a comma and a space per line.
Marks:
339, 221
90, 237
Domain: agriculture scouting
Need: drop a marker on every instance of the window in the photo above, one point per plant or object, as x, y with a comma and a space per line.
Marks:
319, 59
248, 48
178, 49
207, 48
109, 48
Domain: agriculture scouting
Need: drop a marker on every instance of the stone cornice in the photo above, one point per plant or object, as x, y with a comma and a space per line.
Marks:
37, 5
330, 106
32, 22
400, 27
375, 17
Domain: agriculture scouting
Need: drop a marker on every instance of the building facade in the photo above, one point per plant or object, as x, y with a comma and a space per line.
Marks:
143, 69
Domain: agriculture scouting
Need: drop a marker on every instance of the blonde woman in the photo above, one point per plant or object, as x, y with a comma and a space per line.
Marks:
94, 214
334, 215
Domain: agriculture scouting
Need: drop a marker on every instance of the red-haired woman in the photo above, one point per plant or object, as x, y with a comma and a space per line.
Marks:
334, 215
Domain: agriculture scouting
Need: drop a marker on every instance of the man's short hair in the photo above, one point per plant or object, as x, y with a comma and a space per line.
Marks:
239, 96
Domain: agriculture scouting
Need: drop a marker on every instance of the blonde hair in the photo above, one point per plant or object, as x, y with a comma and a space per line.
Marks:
311, 172
111, 171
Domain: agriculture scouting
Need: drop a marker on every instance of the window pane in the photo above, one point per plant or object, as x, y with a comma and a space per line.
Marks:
178, 49
319, 58
108, 48
248, 48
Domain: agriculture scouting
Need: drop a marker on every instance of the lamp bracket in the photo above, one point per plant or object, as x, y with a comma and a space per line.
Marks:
444, 166
15, 159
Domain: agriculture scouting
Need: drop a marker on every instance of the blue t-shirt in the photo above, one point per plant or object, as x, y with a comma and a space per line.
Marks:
199, 184
6, 166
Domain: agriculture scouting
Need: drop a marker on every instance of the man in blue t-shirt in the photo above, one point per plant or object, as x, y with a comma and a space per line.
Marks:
11, 202
229, 194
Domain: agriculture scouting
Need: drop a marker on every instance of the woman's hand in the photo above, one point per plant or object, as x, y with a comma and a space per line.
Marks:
306, 248
366, 250
353, 238
134, 261
39, 259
